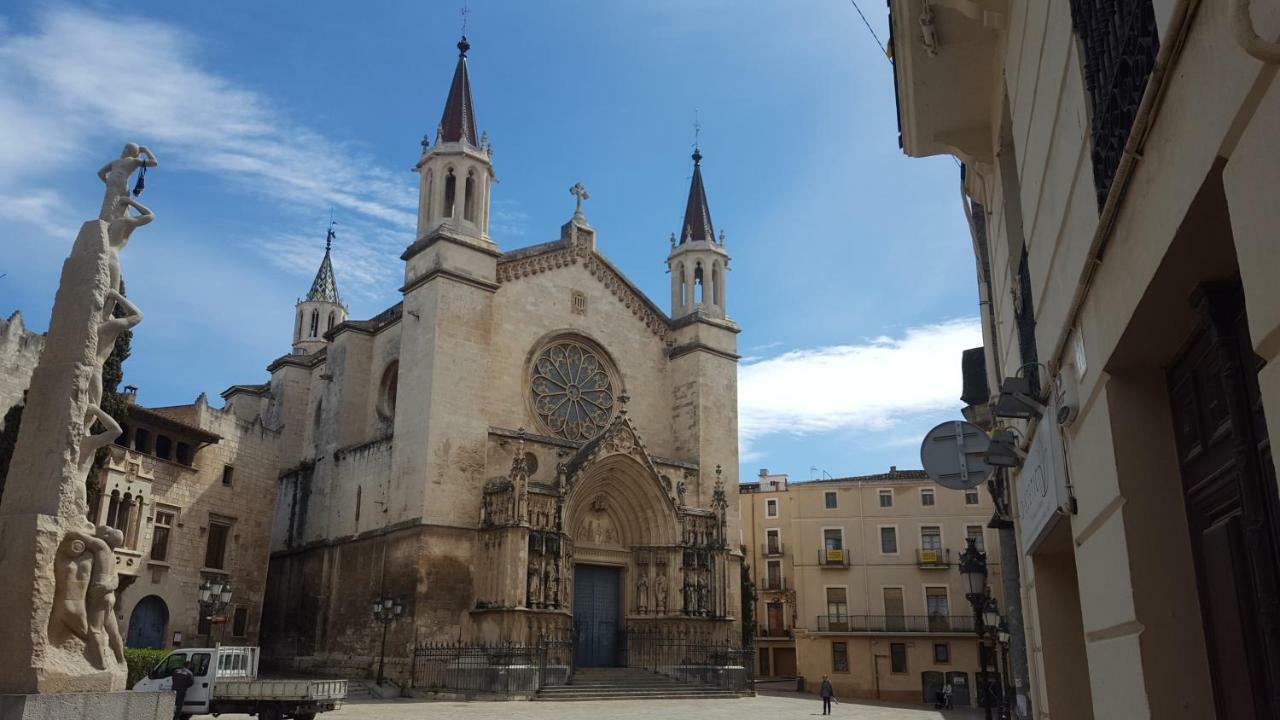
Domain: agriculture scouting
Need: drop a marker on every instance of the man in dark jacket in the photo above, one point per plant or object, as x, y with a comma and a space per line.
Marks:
183, 679
826, 692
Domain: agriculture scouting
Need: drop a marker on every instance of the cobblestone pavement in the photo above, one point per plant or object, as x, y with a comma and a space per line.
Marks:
780, 706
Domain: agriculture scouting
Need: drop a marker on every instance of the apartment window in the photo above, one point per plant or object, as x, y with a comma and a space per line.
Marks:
833, 539
889, 540
215, 552
228, 475
161, 528
839, 657
771, 507
773, 541
926, 497
971, 497
837, 602
938, 608
898, 657
931, 538
829, 500
886, 498
774, 575
975, 532
240, 622
941, 653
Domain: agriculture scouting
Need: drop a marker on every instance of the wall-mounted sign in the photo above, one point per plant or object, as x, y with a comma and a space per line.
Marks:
835, 556
952, 455
1042, 484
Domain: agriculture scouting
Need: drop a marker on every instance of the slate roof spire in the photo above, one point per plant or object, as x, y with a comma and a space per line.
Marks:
325, 287
697, 216
459, 120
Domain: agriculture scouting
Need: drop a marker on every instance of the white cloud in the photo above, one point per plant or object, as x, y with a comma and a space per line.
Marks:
81, 79
871, 386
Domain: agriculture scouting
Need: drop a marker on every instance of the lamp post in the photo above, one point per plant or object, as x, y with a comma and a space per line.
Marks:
385, 610
215, 598
973, 568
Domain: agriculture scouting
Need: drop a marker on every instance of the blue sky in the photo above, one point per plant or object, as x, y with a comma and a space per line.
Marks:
852, 272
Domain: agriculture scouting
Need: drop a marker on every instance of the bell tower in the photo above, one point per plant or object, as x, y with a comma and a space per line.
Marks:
698, 262
456, 172
322, 309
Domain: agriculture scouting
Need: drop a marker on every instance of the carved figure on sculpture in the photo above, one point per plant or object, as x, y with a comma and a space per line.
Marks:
84, 598
119, 231
660, 593
642, 592
116, 176
535, 587
680, 491
108, 330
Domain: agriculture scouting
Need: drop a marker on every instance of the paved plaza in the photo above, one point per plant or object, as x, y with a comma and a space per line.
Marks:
762, 707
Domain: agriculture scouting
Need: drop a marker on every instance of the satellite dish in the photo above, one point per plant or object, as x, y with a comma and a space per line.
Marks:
952, 455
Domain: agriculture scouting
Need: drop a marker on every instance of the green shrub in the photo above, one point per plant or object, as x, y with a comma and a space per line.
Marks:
140, 662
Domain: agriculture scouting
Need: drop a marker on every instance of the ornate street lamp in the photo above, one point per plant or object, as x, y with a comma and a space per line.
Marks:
973, 568
215, 598
385, 610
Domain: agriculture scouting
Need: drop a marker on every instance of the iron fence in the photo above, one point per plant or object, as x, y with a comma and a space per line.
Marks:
689, 656
504, 669
896, 623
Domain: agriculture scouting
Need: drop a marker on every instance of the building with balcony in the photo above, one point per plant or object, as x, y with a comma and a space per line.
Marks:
856, 579
192, 489
1120, 164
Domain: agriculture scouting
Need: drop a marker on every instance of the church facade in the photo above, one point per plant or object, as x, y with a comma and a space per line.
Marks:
525, 446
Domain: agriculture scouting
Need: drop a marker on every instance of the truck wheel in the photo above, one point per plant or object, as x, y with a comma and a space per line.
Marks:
305, 716
269, 712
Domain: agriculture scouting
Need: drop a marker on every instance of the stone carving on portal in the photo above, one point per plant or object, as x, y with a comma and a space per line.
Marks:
57, 611
642, 589
660, 591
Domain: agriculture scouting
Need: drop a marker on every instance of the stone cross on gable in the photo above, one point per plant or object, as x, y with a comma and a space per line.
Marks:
581, 194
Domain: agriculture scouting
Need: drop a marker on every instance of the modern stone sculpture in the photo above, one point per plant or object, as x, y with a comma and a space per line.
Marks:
57, 571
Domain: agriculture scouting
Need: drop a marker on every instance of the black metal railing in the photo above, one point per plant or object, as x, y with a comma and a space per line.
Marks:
690, 656
771, 549
896, 623
768, 632
933, 558
1120, 43
829, 557
775, 585
504, 669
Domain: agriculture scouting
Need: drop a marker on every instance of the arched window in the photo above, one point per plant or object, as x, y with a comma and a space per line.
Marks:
387, 388
684, 287
717, 286
698, 290
332, 314
450, 191
469, 198
142, 440
297, 329
113, 508
164, 447
431, 188
315, 323
121, 520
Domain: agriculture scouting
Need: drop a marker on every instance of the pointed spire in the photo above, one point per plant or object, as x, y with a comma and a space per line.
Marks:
459, 120
325, 288
697, 217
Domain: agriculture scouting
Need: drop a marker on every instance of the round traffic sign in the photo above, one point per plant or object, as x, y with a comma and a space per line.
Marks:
952, 455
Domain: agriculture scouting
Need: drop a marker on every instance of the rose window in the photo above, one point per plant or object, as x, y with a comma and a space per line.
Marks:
572, 390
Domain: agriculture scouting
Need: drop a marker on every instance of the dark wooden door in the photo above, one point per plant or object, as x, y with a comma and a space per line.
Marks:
1229, 483
595, 615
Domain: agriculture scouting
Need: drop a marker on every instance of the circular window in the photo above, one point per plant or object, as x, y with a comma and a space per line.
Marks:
572, 389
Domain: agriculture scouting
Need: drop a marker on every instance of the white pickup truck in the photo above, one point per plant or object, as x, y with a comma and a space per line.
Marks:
227, 682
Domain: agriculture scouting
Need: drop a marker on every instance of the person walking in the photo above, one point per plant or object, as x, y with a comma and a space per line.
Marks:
946, 697
827, 693
183, 679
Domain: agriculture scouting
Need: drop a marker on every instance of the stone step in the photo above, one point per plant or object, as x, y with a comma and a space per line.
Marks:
713, 695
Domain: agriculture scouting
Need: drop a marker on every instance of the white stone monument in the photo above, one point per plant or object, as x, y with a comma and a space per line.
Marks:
58, 627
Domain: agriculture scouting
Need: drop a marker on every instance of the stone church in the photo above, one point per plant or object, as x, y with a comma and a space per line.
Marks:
525, 444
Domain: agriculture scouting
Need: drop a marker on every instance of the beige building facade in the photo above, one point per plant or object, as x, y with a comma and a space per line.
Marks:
192, 489
857, 579
1121, 163
524, 445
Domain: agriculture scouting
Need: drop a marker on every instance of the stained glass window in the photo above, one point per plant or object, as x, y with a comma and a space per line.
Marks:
573, 392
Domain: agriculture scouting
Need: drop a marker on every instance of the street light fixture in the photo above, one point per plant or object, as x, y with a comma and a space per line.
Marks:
386, 610
215, 598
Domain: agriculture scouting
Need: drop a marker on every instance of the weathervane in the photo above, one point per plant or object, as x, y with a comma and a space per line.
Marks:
330, 234
697, 128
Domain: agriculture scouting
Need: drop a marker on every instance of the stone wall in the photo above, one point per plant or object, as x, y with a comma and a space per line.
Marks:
19, 352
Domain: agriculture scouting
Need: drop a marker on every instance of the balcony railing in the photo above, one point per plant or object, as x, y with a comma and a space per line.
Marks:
933, 558
828, 557
775, 585
766, 632
771, 549
896, 623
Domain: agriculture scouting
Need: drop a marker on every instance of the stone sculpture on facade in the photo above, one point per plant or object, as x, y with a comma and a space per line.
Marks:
642, 590
57, 613
660, 592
